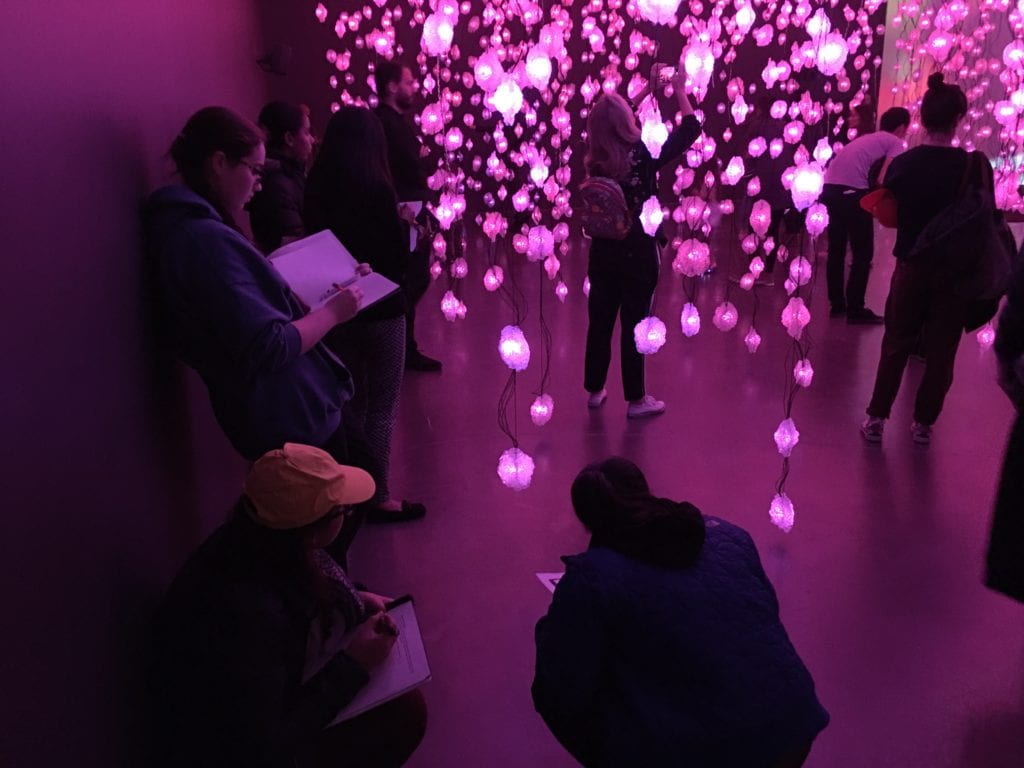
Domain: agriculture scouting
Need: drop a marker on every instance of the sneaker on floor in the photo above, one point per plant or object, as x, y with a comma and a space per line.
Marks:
922, 433
646, 407
863, 316
872, 429
417, 361
596, 399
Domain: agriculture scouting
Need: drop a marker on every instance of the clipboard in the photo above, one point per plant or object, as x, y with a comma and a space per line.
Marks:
404, 669
314, 266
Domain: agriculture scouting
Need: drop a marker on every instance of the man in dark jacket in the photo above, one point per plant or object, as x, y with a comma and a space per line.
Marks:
395, 89
276, 210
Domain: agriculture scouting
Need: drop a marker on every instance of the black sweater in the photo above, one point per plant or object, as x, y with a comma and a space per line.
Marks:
230, 652
367, 224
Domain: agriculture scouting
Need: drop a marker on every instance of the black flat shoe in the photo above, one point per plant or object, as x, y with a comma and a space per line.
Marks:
417, 361
863, 317
411, 510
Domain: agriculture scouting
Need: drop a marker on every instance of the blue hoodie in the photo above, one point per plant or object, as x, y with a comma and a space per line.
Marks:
229, 315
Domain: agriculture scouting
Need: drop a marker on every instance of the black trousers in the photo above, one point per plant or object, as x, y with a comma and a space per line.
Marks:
348, 445
417, 280
623, 276
848, 223
922, 309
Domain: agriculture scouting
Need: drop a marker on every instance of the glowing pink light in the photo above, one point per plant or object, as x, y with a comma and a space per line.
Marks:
515, 469
507, 99
459, 268
538, 68
540, 243
760, 217
781, 512
513, 348
693, 258
651, 215
551, 266
542, 409
986, 336
786, 437
800, 271
699, 64
438, 33
756, 266
726, 316
658, 11
733, 171
806, 185
561, 291
752, 340
803, 373
832, 54
795, 317
432, 118
649, 335
450, 306
689, 320
749, 244
586, 287
493, 278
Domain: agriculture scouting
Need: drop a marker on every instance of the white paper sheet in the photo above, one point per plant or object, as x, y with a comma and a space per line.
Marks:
313, 265
405, 667
550, 580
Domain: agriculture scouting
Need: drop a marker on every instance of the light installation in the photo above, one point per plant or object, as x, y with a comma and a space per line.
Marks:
506, 87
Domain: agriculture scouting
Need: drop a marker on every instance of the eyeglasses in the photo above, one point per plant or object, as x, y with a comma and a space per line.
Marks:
256, 170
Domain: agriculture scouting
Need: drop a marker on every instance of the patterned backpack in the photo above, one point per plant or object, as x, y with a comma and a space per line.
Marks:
603, 210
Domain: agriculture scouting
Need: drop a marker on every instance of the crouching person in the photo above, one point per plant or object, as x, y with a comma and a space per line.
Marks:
262, 639
663, 645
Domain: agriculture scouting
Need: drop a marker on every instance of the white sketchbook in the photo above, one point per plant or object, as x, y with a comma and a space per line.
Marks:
405, 667
550, 580
313, 266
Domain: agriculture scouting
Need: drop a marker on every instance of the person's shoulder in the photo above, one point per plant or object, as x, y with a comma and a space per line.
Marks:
715, 528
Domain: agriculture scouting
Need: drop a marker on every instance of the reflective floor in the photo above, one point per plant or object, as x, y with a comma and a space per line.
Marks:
879, 580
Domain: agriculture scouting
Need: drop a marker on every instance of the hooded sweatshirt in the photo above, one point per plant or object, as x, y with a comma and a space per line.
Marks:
229, 316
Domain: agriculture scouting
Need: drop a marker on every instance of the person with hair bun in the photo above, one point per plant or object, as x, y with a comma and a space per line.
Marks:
276, 209
228, 313
663, 644
923, 305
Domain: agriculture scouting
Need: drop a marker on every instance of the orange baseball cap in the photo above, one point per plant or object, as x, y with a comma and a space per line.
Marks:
297, 485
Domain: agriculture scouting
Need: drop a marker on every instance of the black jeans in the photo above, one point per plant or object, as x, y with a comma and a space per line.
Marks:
623, 276
922, 308
848, 223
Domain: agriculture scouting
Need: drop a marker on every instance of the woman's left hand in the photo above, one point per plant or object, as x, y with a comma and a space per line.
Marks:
363, 269
374, 603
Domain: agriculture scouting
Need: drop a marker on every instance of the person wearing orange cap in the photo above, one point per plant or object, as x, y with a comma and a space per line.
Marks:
262, 639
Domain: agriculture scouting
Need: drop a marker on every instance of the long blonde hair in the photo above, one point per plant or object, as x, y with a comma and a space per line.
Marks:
611, 133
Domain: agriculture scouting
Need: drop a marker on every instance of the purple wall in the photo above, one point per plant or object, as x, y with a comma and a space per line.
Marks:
112, 466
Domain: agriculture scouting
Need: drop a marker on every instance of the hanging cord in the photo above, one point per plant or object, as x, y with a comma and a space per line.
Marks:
545, 338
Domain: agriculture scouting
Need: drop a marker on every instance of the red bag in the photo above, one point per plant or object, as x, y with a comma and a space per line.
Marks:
881, 204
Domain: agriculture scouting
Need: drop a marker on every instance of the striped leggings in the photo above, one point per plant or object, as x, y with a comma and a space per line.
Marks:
374, 353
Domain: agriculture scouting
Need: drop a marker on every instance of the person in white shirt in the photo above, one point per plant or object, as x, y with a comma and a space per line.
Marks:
848, 178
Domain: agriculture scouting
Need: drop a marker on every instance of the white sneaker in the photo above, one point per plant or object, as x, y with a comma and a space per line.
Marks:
922, 433
872, 429
596, 399
646, 407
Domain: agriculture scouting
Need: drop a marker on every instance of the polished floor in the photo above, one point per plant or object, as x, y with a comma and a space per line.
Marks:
879, 580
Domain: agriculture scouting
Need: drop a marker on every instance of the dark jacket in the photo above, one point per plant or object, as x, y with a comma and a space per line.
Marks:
228, 314
653, 667
276, 210
1004, 570
367, 224
640, 183
407, 168
230, 650
924, 180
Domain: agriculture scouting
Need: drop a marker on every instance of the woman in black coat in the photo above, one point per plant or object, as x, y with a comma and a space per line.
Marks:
351, 193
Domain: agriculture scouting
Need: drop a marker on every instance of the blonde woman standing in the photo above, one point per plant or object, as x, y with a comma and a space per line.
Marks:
624, 273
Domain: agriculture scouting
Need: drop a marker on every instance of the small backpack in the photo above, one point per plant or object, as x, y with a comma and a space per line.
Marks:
603, 209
